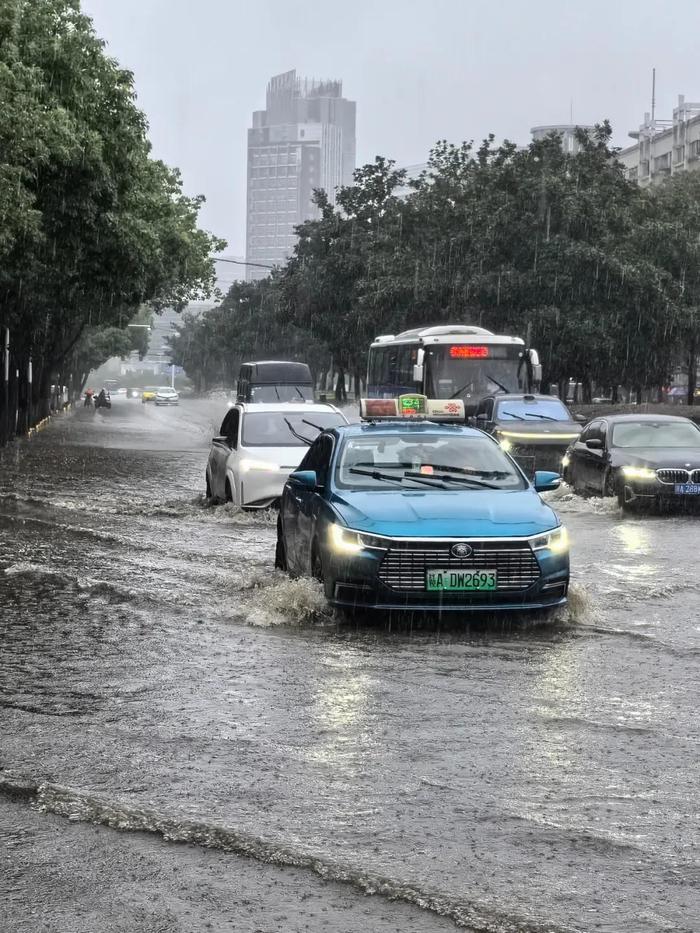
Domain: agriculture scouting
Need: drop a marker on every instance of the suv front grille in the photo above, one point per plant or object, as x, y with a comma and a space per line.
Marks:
678, 476
404, 565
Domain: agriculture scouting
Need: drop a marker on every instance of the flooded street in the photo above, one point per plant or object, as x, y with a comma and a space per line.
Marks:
157, 675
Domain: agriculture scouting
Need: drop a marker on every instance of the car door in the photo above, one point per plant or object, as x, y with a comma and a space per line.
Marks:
600, 459
221, 448
578, 460
309, 500
590, 459
297, 509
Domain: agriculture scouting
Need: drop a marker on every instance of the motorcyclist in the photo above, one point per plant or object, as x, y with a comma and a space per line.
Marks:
88, 398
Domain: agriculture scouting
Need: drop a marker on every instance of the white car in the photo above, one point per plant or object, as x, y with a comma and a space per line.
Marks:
166, 396
259, 445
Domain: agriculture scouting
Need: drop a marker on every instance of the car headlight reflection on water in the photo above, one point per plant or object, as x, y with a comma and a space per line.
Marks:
556, 541
633, 472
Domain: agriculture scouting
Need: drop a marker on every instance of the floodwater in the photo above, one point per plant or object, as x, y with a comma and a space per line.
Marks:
160, 683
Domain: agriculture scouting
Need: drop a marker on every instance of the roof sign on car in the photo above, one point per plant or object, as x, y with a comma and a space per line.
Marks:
412, 407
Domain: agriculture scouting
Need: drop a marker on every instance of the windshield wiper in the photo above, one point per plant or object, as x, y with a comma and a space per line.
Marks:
496, 382
465, 470
447, 478
535, 414
511, 414
304, 440
299, 393
312, 425
459, 391
375, 474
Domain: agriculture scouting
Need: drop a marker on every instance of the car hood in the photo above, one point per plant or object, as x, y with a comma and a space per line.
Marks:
657, 458
542, 432
448, 513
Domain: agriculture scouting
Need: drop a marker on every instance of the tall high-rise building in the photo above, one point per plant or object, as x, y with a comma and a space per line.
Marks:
304, 139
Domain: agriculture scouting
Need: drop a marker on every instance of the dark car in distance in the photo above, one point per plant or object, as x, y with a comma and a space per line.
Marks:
638, 458
535, 430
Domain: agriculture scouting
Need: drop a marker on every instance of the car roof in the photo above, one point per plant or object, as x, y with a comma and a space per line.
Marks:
525, 396
617, 419
287, 408
415, 428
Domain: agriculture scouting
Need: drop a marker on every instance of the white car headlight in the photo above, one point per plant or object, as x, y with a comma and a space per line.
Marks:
505, 443
346, 541
633, 472
261, 466
565, 460
556, 541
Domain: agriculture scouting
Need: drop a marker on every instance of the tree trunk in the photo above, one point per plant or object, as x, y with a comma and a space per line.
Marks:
692, 370
340, 391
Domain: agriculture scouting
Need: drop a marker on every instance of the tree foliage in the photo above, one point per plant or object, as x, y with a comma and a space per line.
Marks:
91, 226
558, 246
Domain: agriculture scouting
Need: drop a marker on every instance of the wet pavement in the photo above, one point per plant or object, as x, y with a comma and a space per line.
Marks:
157, 675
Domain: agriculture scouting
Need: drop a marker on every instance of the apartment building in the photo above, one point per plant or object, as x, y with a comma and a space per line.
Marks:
664, 147
304, 139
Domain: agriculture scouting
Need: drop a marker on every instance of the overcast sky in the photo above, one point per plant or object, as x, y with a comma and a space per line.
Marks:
420, 70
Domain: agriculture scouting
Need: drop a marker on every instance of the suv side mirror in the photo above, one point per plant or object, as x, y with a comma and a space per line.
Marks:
580, 418
306, 479
594, 443
545, 481
482, 416
418, 373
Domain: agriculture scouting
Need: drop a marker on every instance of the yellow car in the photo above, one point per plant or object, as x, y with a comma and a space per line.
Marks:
149, 394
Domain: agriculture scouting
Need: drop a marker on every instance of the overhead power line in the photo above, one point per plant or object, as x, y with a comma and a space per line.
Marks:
241, 262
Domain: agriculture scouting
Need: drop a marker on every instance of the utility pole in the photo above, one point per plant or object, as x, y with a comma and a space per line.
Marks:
6, 386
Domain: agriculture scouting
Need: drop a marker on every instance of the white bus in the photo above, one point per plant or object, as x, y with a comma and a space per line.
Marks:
451, 361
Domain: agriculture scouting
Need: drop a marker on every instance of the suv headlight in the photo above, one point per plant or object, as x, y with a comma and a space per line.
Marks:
556, 541
346, 541
258, 465
633, 472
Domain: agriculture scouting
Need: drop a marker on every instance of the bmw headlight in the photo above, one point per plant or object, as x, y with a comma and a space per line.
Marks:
634, 472
346, 541
556, 541
565, 460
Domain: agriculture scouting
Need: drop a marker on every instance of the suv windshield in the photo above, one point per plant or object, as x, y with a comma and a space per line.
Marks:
656, 434
280, 393
532, 410
281, 429
421, 460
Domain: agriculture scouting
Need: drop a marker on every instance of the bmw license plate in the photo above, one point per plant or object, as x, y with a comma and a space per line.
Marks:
687, 489
460, 580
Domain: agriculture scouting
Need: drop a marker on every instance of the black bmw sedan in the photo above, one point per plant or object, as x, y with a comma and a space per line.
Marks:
638, 458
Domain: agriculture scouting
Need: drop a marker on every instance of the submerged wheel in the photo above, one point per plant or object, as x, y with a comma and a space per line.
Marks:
280, 550
208, 493
228, 493
610, 484
317, 565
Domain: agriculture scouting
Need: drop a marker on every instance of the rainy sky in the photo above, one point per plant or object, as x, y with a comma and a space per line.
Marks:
419, 70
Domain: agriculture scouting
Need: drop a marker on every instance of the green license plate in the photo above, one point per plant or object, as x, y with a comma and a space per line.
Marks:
460, 580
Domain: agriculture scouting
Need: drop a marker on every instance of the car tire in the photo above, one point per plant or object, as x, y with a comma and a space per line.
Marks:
610, 483
280, 549
318, 572
228, 492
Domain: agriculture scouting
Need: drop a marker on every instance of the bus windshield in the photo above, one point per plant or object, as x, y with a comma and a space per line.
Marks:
448, 375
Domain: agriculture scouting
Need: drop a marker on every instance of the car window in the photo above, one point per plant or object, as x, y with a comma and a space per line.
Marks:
656, 434
229, 426
532, 410
466, 461
318, 458
295, 429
